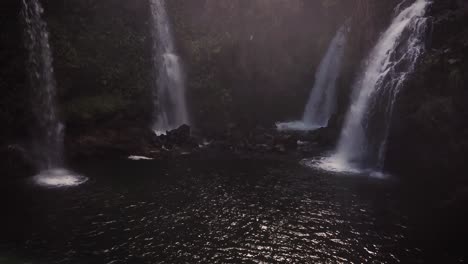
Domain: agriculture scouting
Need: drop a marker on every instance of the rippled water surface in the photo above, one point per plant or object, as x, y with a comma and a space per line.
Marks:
206, 211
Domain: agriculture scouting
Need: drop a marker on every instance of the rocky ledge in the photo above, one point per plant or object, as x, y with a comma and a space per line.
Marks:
144, 143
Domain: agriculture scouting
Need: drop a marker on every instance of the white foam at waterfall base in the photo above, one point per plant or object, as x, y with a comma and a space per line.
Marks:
137, 158
341, 166
58, 177
295, 126
160, 132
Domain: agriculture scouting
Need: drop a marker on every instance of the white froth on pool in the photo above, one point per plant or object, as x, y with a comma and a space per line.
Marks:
336, 164
59, 178
134, 157
296, 126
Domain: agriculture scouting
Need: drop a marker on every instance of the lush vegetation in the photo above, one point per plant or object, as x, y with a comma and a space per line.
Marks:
248, 64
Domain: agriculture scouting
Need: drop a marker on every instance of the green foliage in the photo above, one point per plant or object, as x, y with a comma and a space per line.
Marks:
12, 260
102, 57
88, 109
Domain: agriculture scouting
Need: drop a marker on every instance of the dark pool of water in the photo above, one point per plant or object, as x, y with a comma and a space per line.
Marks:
207, 211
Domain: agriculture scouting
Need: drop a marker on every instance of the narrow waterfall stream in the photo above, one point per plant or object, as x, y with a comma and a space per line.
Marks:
170, 86
362, 144
48, 145
322, 100
49, 132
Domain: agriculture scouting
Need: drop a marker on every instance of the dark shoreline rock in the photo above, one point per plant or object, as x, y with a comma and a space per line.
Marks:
15, 161
111, 143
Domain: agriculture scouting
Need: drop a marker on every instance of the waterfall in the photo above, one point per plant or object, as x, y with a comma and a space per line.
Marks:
322, 99
49, 132
169, 98
363, 140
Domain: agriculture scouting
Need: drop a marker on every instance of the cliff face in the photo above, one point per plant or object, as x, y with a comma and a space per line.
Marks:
102, 59
102, 62
252, 62
430, 127
248, 63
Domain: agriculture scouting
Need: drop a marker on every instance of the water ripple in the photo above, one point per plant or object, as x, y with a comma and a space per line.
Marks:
279, 215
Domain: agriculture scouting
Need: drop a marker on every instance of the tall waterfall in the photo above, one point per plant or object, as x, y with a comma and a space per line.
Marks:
170, 94
322, 99
49, 132
364, 136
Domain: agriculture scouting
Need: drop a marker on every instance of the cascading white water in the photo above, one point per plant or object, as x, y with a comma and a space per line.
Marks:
170, 94
49, 130
362, 144
322, 100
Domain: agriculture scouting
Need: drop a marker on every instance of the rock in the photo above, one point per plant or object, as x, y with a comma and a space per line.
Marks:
177, 136
325, 137
180, 137
15, 161
335, 121
111, 142
280, 148
262, 147
287, 141
261, 139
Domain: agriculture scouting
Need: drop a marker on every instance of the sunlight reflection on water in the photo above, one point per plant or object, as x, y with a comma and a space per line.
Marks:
209, 212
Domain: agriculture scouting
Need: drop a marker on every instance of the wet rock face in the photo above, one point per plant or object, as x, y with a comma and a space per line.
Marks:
430, 130
252, 62
449, 20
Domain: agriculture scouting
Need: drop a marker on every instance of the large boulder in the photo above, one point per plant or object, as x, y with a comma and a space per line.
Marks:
179, 137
